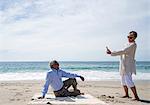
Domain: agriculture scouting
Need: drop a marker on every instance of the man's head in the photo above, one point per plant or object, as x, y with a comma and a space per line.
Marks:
132, 36
54, 64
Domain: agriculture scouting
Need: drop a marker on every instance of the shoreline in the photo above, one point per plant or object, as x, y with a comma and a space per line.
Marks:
89, 75
42, 80
21, 92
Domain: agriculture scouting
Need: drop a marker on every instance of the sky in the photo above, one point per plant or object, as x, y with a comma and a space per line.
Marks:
72, 30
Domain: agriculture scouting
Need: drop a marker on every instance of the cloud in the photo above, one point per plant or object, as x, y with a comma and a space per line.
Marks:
69, 29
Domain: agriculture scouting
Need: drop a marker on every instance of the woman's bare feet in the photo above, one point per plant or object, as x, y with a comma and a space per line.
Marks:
136, 99
125, 96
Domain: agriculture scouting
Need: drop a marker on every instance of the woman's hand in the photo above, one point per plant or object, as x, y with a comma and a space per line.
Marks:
108, 50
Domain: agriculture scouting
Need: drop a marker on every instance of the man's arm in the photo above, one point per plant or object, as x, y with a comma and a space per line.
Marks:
71, 75
46, 86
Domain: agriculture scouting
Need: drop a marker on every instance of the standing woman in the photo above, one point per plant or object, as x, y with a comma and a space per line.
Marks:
127, 64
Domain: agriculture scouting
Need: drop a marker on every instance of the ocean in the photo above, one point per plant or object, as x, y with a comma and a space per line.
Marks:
92, 71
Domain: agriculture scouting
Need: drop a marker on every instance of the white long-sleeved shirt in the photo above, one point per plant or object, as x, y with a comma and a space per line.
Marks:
127, 63
54, 78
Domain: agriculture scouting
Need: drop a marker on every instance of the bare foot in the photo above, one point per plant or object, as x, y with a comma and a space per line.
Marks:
81, 93
136, 99
125, 97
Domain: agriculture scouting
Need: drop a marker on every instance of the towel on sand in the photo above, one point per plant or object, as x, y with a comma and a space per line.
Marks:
50, 99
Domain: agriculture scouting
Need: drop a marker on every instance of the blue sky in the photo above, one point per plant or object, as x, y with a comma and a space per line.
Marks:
71, 29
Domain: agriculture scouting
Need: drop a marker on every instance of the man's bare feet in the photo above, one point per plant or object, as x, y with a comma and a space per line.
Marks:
81, 93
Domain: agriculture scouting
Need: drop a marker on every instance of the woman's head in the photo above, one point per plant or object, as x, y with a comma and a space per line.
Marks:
132, 36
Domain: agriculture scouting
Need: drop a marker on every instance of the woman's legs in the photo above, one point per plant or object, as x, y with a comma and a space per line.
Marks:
126, 91
127, 79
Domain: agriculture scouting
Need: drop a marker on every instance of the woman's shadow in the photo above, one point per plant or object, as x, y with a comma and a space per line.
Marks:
144, 101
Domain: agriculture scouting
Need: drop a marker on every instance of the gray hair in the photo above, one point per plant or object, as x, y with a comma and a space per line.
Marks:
52, 63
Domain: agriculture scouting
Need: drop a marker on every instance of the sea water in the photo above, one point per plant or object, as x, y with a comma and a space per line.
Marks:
92, 71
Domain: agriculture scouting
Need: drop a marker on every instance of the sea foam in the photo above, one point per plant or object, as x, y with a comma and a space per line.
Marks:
89, 76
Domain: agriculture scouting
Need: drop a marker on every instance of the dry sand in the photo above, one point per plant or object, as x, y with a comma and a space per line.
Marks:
21, 92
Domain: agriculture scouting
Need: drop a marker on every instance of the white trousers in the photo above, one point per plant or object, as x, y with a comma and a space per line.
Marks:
126, 79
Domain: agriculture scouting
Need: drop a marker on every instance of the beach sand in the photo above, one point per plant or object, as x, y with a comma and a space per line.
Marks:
21, 92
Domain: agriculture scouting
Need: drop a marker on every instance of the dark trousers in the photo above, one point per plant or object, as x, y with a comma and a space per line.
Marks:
64, 92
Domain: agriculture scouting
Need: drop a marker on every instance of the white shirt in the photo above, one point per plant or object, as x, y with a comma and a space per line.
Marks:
127, 55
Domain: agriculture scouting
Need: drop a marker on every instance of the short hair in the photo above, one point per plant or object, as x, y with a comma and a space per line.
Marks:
134, 33
52, 63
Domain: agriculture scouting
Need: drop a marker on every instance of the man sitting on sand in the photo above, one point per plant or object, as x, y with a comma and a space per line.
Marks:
60, 88
127, 64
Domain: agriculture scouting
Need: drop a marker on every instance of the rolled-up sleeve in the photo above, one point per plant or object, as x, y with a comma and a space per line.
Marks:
46, 85
69, 75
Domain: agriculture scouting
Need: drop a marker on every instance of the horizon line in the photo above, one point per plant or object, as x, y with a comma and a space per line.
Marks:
70, 61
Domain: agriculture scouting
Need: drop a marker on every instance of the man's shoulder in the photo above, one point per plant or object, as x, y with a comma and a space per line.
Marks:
50, 71
62, 71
